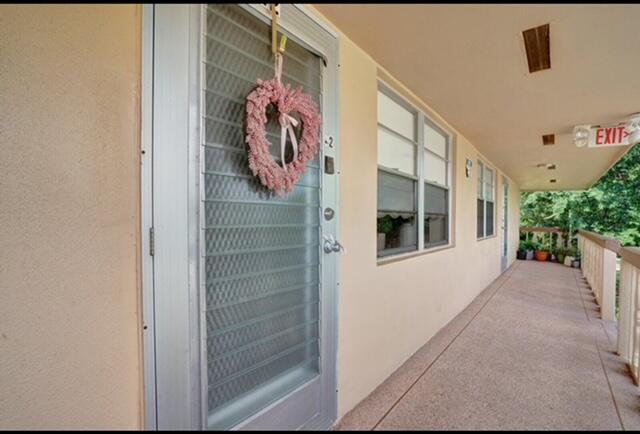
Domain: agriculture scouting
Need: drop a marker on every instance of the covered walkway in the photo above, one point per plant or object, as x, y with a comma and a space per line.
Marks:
530, 352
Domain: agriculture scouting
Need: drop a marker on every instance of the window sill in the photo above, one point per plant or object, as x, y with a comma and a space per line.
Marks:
403, 256
487, 238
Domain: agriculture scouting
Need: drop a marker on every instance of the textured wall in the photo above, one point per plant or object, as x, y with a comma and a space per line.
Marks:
69, 216
389, 311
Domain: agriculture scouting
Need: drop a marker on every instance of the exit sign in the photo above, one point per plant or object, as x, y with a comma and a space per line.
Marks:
613, 135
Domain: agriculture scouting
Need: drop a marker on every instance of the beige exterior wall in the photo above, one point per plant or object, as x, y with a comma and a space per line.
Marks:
69, 214
69, 276
387, 312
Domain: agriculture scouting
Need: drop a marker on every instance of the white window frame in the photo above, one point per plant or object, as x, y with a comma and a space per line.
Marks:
448, 178
420, 122
482, 164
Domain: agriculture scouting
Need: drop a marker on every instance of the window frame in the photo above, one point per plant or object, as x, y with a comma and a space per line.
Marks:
421, 121
482, 166
426, 121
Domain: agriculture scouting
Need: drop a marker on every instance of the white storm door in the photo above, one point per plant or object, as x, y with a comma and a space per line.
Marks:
244, 316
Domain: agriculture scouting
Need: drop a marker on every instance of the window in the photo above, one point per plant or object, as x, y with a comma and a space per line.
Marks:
397, 180
436, 186
414, 178
486, 199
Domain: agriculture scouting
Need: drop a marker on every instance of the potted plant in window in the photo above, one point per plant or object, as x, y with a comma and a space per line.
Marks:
385, 226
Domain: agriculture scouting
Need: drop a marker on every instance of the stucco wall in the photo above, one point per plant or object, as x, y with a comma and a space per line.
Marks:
69, 213
387, 312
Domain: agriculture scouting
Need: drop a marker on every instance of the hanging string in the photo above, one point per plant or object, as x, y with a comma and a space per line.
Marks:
274, 29
287, 122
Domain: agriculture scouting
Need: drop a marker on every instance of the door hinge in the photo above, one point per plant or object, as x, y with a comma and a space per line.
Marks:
152, 243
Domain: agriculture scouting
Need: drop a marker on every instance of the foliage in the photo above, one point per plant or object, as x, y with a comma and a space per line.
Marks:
385, 224
528, 245
388, 224
611, 207
523, 246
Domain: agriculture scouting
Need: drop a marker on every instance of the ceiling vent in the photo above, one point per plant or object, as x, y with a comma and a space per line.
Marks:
536, 42
549, 139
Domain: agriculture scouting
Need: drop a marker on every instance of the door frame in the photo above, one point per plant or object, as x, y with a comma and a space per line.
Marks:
318, 37
146, 219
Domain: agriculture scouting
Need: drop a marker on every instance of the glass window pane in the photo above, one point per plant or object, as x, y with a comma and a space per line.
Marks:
488, 191
488, 175
489, 229
480, 183
397, 229
480, 225
396, 117
396, 234
396, 193
434, 141
395, 153
435, 169
435, 199
435, 230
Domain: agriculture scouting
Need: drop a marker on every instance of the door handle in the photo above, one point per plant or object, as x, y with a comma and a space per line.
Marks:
332, 245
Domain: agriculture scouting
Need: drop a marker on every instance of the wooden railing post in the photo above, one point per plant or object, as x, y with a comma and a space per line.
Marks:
608, 307
599, 268
599, 256
628, 326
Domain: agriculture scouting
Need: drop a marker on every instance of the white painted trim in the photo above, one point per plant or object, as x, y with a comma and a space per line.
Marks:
146, 220
175, 144
318, 20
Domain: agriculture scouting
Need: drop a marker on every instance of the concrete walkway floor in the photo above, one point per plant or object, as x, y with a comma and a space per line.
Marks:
530, 352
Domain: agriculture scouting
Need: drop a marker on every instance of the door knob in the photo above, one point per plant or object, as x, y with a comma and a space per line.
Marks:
332, 245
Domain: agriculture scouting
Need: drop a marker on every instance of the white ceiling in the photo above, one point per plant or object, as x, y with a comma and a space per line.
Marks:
469, 64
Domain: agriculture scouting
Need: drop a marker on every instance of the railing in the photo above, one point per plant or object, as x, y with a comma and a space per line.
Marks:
599, 268
598, 265
539, 232
629, 322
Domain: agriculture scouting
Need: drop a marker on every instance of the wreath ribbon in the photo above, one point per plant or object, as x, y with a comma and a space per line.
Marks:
287, 122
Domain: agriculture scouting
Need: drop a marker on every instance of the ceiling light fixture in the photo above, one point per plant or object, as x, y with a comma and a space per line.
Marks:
633, 129
581, 135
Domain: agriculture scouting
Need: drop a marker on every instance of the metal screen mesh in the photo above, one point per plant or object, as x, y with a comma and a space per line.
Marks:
262, 253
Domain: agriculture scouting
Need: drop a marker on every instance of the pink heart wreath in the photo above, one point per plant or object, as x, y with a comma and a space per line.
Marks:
285, 100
